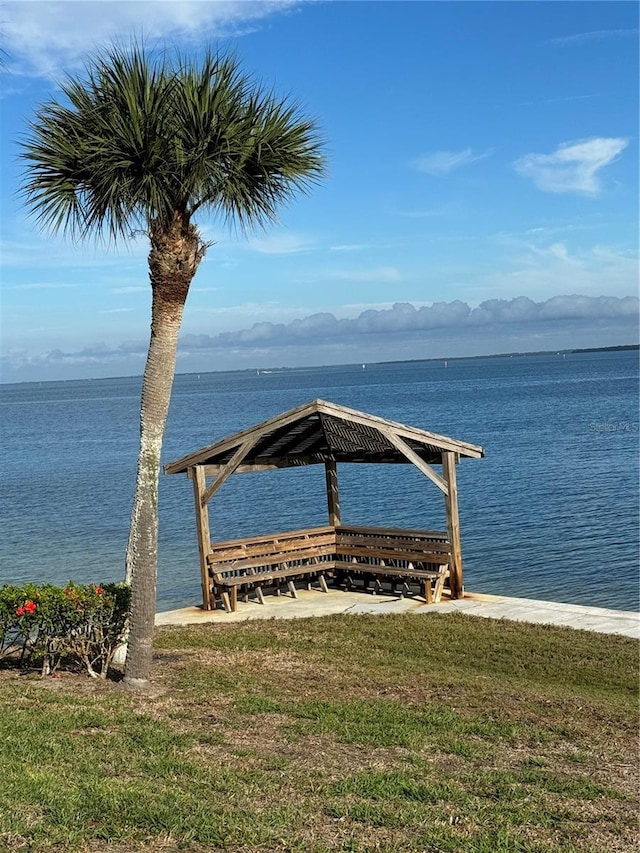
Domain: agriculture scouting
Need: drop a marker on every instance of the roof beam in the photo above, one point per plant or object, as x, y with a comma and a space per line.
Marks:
412, 456
440, 441
228, 469
219, 447
284, 444
215, 470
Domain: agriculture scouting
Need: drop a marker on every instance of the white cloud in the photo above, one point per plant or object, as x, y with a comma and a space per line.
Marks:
378, 274
280, 243
35, 250
420, 214
254, 309
541, 269
355, 308
573, 167
350, 247
46, 37
442, 329
560, 100
404, 318
593, 35
443, 162
42, 285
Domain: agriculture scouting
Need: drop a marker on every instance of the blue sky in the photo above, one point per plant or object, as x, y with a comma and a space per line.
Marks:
481, 196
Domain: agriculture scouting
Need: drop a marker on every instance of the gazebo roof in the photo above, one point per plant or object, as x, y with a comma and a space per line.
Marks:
319, 431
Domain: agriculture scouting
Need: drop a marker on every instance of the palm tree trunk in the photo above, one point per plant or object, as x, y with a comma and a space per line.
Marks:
173, 261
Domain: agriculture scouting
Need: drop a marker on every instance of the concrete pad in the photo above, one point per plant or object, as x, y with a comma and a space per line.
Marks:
315, 603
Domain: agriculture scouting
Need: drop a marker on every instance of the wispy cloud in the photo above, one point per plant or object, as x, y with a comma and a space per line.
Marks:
36, 250
280, 243
42, 285
593, 35
350, 247
354, 308
540, 267
133, 288
573, 167
45, 37
256, 310
560, 100
421, 214
378, 274
570, 98
443, 162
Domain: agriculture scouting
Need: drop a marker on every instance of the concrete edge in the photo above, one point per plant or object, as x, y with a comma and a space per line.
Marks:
312, 603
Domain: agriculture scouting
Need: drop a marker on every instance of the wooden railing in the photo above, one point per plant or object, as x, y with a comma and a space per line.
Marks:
348, 555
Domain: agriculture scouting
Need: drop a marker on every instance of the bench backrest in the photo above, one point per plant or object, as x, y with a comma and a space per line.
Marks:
323, 544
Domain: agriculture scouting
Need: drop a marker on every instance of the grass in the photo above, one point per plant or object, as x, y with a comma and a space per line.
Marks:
410, 733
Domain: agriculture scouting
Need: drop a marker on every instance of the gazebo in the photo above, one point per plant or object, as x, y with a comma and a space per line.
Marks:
321, 432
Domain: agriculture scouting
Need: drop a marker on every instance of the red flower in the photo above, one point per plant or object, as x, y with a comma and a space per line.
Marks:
99, 590
20, 611
30, 606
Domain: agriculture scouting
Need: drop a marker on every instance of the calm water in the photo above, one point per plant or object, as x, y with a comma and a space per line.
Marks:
551, 512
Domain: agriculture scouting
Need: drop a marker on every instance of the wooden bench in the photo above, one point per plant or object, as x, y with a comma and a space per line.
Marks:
413, 557
249, 564
421, 557
431, 583
227, 586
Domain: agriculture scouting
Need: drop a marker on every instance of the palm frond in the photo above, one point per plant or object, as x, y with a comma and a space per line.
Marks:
139, 138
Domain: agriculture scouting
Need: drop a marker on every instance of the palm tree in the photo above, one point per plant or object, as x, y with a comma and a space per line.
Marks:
146, 142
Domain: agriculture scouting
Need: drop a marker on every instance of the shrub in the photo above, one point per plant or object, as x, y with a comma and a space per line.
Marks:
44, 624
14, 635
98, 624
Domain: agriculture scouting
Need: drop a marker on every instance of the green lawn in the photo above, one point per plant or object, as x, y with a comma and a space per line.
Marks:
356, 733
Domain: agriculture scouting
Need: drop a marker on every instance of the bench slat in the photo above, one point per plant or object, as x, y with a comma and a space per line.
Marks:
393, 531
367, 544
263, 577
311, 558
420, 556
389, 571
270, 548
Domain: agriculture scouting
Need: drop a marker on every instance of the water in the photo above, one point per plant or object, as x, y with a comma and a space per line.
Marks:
550, 513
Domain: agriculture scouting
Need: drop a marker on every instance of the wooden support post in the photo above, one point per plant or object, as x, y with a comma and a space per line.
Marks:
204, 537
439, 584
333, 496
456, 580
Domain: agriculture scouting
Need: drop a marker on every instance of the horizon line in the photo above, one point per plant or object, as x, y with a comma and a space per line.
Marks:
569, 350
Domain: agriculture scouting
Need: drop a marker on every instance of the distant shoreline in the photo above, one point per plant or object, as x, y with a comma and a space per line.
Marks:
621, 348
282, 368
